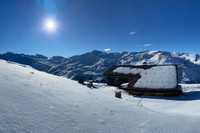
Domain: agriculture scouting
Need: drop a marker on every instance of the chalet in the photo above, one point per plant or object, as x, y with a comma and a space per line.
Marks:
159, 80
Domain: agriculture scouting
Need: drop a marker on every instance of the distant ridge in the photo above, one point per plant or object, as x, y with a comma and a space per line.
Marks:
92, 64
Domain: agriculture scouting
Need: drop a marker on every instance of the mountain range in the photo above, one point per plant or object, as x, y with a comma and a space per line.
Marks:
91, 65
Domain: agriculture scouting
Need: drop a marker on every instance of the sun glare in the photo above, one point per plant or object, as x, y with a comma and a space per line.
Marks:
50, 25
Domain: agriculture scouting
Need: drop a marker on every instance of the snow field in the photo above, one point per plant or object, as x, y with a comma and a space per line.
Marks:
32, 101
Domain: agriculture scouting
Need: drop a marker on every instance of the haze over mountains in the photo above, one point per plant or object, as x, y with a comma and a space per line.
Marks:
91, 65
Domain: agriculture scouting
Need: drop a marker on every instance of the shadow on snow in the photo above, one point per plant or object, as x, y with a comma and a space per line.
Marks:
186, 96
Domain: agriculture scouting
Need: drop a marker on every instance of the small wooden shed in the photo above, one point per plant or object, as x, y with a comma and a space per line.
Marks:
159, 80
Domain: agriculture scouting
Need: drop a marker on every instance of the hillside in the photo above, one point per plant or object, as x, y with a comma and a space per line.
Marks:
34, 101
91, 65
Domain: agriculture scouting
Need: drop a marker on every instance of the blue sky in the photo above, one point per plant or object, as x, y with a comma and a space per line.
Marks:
86, 25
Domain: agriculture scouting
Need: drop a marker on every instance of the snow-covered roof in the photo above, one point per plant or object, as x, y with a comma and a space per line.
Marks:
149, 76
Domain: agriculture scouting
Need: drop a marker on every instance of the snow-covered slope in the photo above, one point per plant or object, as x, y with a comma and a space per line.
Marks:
91, 65
186, 104
33, 101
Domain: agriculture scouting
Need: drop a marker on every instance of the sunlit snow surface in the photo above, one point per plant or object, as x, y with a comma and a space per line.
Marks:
188, 103
32, 101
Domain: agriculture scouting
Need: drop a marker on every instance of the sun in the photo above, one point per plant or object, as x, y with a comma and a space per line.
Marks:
50, 25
